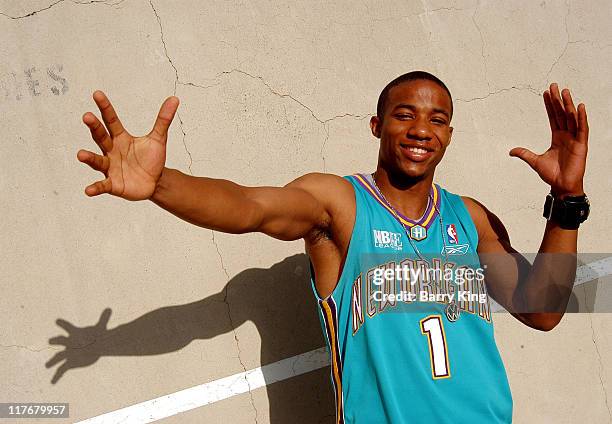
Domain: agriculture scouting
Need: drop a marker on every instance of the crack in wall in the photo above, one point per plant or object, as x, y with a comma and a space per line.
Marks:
454, 9
176, 81
104, 2
326, 127
501, 90
567, 43
35, 12
484, 56
527, 87
427, 11
321, 121
229, 315
596, 44
278, 94
220, 256
15, 346
482, 45
27, 15
603, 387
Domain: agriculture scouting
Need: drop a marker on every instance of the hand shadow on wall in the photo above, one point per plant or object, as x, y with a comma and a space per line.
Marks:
278, 300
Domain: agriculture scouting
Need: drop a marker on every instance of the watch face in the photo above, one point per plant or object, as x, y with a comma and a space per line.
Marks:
548, 207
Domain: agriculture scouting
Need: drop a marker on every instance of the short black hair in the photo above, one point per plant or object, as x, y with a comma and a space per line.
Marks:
410, 76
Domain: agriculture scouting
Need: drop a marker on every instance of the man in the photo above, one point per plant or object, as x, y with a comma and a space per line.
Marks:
437, 360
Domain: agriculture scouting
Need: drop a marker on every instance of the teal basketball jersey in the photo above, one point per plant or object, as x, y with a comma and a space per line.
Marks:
397, 354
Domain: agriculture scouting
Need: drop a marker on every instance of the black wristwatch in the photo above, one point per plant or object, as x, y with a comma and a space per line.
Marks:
569, 212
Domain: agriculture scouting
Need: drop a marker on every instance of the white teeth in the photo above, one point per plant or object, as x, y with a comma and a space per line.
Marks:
417, 150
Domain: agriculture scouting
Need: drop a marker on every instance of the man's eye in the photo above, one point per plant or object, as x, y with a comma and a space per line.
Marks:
439, 121
403, 116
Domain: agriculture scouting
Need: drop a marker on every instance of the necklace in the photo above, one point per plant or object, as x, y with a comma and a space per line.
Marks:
452, 310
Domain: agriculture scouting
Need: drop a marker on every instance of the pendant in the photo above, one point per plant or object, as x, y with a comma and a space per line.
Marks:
452, 311
418, 232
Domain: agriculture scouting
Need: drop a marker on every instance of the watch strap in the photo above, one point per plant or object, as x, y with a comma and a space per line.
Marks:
568, 212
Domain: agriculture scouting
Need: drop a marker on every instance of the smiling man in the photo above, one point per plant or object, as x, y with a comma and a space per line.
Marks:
390, 241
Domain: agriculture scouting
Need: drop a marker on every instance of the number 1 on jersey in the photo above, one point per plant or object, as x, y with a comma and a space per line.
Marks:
432, 327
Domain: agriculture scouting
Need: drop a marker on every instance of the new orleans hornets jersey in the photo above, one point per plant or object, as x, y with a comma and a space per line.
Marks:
397, 354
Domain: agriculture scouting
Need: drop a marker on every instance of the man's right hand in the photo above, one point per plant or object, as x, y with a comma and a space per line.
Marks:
132, 165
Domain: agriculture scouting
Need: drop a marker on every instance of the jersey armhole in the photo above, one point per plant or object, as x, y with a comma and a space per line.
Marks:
349, 249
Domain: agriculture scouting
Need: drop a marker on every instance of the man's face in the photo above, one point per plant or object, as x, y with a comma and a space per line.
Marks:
415, 129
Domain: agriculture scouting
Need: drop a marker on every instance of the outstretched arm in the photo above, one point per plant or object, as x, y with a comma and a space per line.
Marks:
285, 213
134, 169
538, 294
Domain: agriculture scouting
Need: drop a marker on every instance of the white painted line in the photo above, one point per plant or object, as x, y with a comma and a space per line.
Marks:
214, 391
205, 394
593, 270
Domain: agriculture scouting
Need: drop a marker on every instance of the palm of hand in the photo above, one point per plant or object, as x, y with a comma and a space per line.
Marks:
562, 166
135, 166
132, 165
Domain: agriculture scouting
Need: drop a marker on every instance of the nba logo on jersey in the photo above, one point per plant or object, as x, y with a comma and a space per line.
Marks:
452, 234
387, 239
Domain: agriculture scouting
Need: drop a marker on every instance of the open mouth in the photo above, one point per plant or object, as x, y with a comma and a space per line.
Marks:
416, 153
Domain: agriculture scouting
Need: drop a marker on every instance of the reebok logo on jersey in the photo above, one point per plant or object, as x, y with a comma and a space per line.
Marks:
458, 249
387, 239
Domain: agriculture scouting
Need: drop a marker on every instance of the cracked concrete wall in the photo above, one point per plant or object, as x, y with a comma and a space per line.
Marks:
269, 91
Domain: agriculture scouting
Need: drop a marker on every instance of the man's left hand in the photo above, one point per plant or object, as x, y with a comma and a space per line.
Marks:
562, 165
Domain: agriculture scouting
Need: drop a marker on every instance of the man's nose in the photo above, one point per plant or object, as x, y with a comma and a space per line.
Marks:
420, 130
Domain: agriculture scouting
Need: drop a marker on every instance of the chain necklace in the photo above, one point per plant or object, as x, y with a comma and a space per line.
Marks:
452, 310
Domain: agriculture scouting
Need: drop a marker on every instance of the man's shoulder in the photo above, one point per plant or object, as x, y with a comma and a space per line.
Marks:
474, 207
486, 222
324, 186
320, 178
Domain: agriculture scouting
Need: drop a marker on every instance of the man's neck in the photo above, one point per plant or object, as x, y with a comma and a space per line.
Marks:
408, 197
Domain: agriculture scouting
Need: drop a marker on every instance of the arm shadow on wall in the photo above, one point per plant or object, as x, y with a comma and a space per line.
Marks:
278, 300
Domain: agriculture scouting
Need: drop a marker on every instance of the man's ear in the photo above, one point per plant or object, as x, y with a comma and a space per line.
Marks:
450, 130
375, 126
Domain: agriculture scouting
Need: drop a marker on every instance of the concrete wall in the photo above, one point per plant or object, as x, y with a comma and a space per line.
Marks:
270, 90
